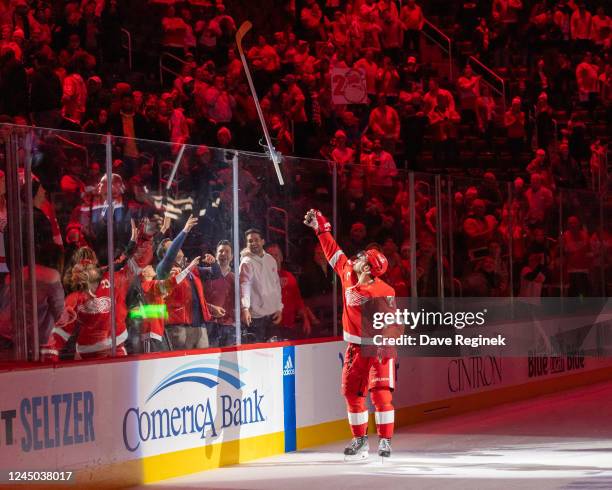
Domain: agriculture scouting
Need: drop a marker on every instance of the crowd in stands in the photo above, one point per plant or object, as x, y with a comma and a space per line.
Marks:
521, 208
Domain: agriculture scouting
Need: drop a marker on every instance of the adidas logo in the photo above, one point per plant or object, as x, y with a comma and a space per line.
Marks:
288, 369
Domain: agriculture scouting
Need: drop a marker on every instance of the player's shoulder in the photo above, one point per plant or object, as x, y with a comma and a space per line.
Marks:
383, 289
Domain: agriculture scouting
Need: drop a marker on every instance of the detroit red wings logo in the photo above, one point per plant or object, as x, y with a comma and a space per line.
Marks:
354, 298
95, 306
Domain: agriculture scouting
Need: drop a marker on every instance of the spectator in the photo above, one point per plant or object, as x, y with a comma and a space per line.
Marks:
371, 28
469, 93
587, 77
74, 95
581, 27
437, 98
310, 18
540, 201
131, 126
178, 125
396, 276
411, 16
342, 154
388, 80
370, 68
220, 291
490, 193
392, 35
293, 102
294, 309
440, 109
578, 256
175, 32
260, 289
303, 61
381, 169
265, 59
537, 164
384, 123
188, 310
219, 103
478, 228
146, 330
601, 27
514, 121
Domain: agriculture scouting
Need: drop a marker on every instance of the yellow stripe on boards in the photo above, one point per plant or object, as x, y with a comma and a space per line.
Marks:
212, 456
325, 433
178, 463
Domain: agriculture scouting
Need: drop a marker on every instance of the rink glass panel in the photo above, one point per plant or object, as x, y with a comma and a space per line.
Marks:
278, 212
57, 207
418, 219
174, 182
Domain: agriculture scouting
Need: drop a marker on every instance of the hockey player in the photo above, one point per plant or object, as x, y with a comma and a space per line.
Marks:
361, 372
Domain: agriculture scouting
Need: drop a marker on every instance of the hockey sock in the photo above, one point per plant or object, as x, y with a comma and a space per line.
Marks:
357, 415
385, 415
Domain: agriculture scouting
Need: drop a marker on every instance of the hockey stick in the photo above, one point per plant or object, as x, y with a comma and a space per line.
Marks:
274, 155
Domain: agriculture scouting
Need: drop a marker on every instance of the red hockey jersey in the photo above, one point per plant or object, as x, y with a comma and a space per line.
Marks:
355, 295
90, 312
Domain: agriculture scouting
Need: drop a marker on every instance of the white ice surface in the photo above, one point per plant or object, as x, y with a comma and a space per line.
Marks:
556, 441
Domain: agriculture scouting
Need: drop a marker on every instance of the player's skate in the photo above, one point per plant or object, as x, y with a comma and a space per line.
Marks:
384, 447
357, 449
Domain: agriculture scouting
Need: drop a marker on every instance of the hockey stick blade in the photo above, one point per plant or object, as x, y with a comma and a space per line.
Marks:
241, 32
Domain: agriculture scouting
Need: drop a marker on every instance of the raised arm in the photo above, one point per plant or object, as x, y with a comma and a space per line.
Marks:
333, 253
210, 269
164, 267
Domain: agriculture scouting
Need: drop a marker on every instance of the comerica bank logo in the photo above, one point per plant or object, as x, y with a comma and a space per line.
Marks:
178, 407
288, 368
201, 372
